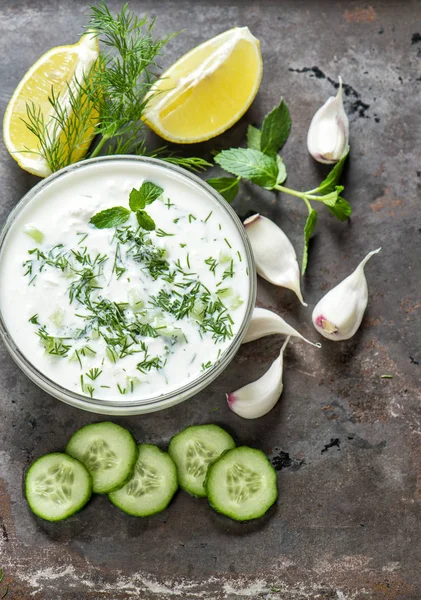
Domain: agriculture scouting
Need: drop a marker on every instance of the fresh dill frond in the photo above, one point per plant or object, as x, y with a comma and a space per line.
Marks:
192, 163
108, 99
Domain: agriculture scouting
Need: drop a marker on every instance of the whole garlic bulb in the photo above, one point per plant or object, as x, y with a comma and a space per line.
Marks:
338, 315
328, 134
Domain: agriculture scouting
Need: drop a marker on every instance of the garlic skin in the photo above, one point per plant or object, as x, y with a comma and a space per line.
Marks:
265, 322
338, 315
259, 397
328, 134
274, 254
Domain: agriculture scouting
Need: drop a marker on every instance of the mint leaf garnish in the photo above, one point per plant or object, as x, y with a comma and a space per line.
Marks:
253, 137
308, 232
332, 180
341, 210
250, 164
111, 217
275, 129
226, 186
282, 172
145, 221
146, 194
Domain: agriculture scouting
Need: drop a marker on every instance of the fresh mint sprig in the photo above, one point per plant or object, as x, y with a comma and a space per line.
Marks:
261, 164
226, 186
138, 200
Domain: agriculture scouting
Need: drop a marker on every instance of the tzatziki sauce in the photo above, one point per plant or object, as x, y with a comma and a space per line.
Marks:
123, 311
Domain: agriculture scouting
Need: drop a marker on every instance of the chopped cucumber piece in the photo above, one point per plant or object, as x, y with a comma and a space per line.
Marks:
34, 233
152, 486
109, 453
224, 257
135, 300
193, 449
57, 486
57, 317
242, 484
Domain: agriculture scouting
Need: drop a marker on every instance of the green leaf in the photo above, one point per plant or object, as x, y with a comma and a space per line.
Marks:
146, 194
226, 186
282, 171
253, 137
111, 217
330, 183
342, 210
308, 232
275, 129
250, 164
145, 221
330, 199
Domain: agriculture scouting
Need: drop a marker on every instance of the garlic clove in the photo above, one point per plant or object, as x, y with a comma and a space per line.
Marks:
328, 134
274, 254
265, 322
259, 397
338, 315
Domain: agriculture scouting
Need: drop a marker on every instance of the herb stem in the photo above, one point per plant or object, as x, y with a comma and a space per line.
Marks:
306, 196
99, 146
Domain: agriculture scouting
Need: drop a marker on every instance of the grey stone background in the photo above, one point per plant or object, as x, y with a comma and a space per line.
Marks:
346, 443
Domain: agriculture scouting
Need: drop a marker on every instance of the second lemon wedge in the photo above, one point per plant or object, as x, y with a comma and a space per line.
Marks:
208, 89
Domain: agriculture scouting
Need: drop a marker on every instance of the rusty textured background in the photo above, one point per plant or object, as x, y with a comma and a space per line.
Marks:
346, 443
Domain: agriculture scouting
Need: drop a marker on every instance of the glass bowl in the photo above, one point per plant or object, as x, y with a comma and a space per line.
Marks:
131, 406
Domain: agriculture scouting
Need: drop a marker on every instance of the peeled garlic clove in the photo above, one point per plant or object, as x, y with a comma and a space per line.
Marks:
339, 313
258, 398
274, 254
328, 134
265, 322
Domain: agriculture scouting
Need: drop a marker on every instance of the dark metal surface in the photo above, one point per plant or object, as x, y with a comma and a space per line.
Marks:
347, 443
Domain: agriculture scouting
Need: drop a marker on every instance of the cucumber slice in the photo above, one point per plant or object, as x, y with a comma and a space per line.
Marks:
109, 453
57, 486
152, 486
242, 484
193, 449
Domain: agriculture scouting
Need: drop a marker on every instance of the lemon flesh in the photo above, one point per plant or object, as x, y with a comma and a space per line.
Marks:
56, 69
207, 90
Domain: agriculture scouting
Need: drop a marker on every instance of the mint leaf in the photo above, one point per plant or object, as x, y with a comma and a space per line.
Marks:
330, 199
145, 221
250, 164
342, 210
226, 186
146, 194
275, 129
282, 172
111, 217
136, 200
308, 232
332, 180
253, 137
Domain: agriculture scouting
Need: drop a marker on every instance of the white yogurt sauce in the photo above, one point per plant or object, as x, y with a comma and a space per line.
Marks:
85, 344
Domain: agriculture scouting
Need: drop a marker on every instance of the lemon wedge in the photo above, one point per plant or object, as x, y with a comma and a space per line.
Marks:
208, 89
57, 69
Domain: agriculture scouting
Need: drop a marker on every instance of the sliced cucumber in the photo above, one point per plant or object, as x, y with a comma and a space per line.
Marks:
193, 449
57, 486
109, 453
242, 484
152, 486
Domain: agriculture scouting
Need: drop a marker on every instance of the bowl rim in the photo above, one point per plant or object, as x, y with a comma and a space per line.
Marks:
161, 401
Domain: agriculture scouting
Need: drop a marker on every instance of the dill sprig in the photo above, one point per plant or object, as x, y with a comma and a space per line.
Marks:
107, 101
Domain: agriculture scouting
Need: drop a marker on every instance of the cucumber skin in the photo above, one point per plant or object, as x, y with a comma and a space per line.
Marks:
126, 512
130, 474
183, 487
86, 500
231, 515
